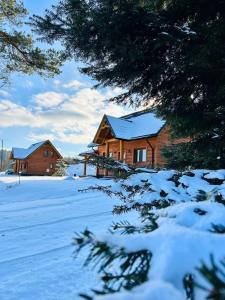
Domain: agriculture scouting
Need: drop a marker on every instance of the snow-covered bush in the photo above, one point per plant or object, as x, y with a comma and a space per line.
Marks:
116, 168
61, 167
167, 253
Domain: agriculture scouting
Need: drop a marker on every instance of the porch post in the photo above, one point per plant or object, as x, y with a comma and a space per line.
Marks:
85, 166
107, 155
15, 167
153, 153
121, 150
107, 149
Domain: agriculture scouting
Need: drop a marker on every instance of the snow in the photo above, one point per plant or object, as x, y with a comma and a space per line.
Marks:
92, 145
78, 170
177, 250
87, 152
156, 290
131, 127
187, 189
40, 216
219, 174
21, 153
186, 29
39, 219
185, 235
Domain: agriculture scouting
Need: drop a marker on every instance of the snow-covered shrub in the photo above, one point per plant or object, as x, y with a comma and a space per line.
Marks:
116, 168
182, 223
61, 167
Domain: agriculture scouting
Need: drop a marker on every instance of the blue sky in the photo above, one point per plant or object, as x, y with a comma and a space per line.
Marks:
64, 109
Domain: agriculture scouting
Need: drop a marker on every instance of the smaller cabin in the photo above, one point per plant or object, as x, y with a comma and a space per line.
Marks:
39, 159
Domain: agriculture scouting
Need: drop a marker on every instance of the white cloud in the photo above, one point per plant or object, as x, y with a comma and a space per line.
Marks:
59, 116
56, 82
74, 84
33, 137
14, 115
29, 84
49, 99
4, 94
114, 92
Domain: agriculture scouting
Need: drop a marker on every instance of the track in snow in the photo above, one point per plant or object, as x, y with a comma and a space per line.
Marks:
36, 236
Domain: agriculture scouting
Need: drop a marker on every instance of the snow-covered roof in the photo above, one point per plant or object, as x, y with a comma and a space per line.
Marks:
21, 153
92, 145
87, 152
137, 125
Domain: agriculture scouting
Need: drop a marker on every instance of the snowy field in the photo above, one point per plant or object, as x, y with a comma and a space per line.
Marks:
39, 219
40, 216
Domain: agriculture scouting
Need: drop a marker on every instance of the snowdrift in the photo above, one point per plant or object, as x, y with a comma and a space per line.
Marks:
189, 214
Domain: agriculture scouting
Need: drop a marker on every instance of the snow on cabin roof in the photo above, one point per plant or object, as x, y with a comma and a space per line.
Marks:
21, 153
87, 152
136, 125
92, 145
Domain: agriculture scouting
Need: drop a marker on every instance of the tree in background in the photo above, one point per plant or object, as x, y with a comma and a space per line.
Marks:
4, 159
166, 53
17, 50
61, 167
199, 153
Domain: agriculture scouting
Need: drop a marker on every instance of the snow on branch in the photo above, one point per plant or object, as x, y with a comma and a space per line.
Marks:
161, 255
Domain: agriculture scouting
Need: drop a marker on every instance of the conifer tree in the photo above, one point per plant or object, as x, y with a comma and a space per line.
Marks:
117, 169
121, 269
61, 166
17, 50
168, 51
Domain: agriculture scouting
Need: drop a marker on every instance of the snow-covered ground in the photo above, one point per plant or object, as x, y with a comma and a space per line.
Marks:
40, 216
39, 219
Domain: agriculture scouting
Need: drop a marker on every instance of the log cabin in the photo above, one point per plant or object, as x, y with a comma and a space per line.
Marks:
39, 159
135, 139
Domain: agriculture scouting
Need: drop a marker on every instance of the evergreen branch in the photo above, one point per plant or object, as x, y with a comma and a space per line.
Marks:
119, 209
214, 195
133, 266
118, 169
188, 282
124, 227
218, 228
105, 189
215, 276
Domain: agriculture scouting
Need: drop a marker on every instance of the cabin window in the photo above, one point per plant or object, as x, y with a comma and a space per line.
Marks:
23, 166
140, 155
51, 153
45, 153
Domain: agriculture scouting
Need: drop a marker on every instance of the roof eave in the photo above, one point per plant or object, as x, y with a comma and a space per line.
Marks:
137, 138
142, 136
105, 117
